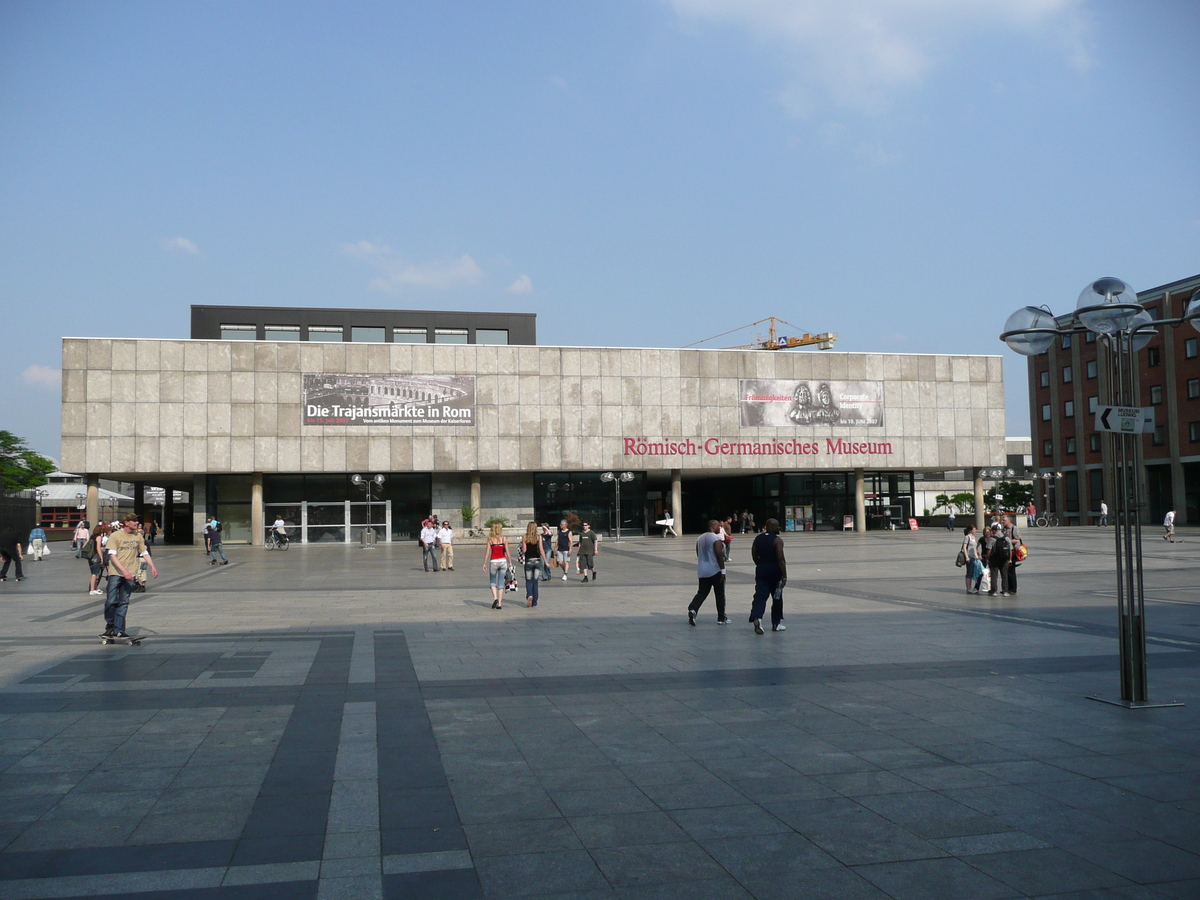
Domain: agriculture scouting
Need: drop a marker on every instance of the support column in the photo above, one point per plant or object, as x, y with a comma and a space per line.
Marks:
476, 500
256, 510
93, 499
168, 516
677, 499
860, 501
199, 508
139, 499
980, 513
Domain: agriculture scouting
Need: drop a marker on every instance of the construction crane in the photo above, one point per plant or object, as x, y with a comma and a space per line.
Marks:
774, 341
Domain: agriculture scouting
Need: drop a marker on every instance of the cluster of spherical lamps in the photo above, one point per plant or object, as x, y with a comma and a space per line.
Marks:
1109, 308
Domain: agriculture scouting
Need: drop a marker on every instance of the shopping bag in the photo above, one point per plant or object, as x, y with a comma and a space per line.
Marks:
985, 583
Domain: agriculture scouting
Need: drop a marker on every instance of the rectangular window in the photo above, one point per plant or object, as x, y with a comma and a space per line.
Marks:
1155, 394
1066, 342
1066, 374
1090, 338
283, 332
239, 333
450, 335
1094, 443
410, 335
1189, 349
1047, 448
1194, 388
1069, 409
1044, 379
1093, 404
1194, 431
491, 335
1153, 357
366, 334
1070, 448
1153, 310
1160, 436
1091, 367
326, 333
1045, 412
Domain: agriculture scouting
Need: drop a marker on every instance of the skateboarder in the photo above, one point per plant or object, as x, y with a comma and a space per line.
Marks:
123, 554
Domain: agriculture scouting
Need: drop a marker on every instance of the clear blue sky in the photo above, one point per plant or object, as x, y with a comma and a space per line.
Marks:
636, 172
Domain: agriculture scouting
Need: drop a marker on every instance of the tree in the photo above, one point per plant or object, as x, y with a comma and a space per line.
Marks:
1009, 495
20, 466
961, 503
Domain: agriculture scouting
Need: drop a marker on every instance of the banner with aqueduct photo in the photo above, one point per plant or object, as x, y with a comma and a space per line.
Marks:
389, 400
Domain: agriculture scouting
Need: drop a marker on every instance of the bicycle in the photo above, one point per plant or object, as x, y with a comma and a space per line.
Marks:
277, 541
1043, 521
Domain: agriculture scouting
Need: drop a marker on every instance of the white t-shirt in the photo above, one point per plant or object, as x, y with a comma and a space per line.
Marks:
1103, 508
428, 536
280, 526
446, 536
1170, 519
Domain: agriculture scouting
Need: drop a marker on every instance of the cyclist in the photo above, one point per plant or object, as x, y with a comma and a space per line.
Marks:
279, 531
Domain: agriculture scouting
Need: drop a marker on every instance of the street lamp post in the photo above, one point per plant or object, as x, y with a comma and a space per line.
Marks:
1109, 308
367, 485
616, 480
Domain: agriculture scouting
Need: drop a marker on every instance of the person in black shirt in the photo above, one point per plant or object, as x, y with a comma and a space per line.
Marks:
770, 575
10, 550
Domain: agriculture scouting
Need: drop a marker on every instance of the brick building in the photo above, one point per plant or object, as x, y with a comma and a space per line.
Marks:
1068, 382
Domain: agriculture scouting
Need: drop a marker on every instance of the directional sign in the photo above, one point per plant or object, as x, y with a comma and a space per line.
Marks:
1125, 419
997, 473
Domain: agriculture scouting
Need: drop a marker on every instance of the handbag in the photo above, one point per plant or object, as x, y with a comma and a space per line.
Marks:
961, 559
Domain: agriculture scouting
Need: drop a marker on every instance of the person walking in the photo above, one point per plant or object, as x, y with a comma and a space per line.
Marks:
562, 547
152, 531
710, 573
445, 538
123, 554
535, 561
547, 549
37, 543
10, 551
1103, 515
770, 577
95, 546
1030, 515
79, 538
429, 544
496, 560
970, 547
726, 534
1168, 524
212, 536
589, 549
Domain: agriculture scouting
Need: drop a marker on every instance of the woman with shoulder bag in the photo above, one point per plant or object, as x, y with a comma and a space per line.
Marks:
974, 571
496, 561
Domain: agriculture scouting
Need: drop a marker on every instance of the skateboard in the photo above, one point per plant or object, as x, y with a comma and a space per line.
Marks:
133, 640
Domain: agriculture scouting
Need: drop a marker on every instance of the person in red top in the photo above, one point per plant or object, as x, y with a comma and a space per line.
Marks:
496, 560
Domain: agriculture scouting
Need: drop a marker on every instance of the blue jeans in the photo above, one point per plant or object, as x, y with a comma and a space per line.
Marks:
496, 571
764, 588
533, 574
116, 602
215, 551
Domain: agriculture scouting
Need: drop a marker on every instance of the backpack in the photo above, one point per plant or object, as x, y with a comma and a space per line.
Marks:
218, 527
1001, 550
89, 549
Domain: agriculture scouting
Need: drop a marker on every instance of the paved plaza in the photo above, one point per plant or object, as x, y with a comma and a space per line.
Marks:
334, 722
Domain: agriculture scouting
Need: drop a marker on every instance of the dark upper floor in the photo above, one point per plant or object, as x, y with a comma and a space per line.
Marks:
376, 326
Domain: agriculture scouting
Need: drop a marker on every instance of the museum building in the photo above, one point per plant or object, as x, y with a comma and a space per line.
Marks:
270, 412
